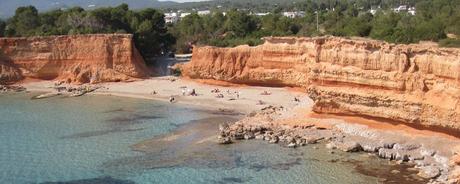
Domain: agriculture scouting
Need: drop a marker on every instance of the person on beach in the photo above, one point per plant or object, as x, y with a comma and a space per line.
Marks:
296, 99
171, 99
260, 102
265, 93
193, 93
183, 92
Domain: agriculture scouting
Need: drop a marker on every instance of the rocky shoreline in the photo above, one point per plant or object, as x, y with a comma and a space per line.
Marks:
58, 89
432, 164
11, 88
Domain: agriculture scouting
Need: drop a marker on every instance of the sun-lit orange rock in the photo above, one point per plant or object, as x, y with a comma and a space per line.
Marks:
75, 59
417, 83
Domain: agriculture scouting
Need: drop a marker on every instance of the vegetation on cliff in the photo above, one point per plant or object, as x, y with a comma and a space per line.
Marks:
433, 20
147, 25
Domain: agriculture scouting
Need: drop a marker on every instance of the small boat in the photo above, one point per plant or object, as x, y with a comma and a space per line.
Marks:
46, 95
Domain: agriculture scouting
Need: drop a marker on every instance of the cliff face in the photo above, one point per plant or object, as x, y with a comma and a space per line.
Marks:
75, 59
417, 84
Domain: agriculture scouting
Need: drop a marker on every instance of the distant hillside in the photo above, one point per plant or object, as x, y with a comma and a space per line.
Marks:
8, 7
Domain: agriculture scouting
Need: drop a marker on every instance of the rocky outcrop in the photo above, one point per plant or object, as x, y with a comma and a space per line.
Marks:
73, 59
275, 124
417, 84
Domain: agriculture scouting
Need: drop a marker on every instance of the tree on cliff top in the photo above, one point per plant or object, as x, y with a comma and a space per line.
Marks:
2, 27
25, 21
150, 34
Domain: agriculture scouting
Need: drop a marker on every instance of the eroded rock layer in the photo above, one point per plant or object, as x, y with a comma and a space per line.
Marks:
75, 59
415, 83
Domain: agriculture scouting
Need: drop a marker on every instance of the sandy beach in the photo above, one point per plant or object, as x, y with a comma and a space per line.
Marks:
165, 87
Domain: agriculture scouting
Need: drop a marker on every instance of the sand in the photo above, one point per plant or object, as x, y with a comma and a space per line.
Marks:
172, 86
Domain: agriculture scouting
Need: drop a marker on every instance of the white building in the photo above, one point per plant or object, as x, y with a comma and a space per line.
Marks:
294, 14
171, 18
411, 10
182, 15
261, 14
204, 12
405, 8
372, 11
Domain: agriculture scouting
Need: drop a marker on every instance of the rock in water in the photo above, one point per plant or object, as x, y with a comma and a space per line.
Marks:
349, 146
274, 140
429, 172
291, 145
224, 140
260, 137
249, 135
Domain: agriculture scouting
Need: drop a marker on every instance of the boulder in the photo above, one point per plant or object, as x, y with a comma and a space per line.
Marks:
429, 172
348, 146
224, 140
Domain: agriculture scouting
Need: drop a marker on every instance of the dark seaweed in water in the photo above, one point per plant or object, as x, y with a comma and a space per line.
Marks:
403, 176
233, 180
130, 119
100, 180
99, 133
117, 125
162, 152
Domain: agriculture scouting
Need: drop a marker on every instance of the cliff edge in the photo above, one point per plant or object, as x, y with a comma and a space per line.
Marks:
71, 58
417, 84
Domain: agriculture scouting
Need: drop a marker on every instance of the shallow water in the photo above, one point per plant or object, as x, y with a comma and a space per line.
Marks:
92, 139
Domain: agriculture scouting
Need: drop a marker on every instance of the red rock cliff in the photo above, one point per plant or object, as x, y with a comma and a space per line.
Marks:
416, 84
76, 59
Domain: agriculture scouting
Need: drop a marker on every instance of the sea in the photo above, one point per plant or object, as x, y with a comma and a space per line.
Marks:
107, 139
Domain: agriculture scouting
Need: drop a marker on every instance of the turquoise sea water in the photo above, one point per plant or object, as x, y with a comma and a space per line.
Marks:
90, 140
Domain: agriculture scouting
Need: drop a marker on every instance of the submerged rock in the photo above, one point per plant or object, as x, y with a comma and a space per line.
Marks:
429, 172
349, 146
249, 135
224, 140
274, 140
291, 145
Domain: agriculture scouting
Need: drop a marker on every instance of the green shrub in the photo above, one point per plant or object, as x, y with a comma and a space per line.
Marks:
450, 42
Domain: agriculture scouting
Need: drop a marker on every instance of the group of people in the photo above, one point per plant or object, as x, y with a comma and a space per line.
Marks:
266, 93
192, 92
221, 95
189, 92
